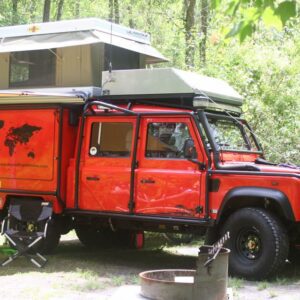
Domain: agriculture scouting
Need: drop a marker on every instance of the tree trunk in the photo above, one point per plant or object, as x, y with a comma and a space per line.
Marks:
189, 20
117, 11
77, 9
59, 11
130, 14
33, 11
204, 13
15, 17
46, 14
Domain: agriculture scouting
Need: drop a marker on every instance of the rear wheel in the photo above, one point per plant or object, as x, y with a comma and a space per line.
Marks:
258, 242
90, 237
104, 237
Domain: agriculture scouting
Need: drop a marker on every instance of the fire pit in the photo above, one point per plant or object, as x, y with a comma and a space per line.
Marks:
167, 284
207, 282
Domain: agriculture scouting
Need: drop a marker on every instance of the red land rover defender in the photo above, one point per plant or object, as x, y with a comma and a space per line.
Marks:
162, 150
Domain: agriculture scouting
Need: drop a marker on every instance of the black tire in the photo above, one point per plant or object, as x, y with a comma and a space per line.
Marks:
258, 242
90, 237
104, 237
294, 253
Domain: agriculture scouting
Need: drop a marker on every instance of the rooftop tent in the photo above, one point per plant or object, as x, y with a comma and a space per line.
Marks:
74, 33
173, 85
70, 53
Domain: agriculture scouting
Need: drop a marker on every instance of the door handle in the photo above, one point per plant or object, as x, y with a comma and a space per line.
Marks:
93, 178
147, 180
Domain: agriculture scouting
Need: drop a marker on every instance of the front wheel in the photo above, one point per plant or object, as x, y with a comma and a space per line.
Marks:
258, 242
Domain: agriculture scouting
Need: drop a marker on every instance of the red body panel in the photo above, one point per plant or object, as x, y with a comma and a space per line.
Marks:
69, 135
175, 184
29, 148
104, 181
288, 186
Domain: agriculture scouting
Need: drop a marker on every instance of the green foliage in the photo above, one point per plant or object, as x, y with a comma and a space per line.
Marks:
265, 70
248, 14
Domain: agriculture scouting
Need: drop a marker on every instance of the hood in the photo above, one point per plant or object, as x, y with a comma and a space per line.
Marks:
281, 168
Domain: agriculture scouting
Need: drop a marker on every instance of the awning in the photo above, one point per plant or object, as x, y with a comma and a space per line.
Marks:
76, 38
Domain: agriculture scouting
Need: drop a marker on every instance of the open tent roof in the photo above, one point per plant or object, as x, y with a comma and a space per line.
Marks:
69, 33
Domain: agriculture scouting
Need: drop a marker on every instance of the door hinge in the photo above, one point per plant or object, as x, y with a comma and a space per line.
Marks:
136, 165
214, 185
131, 205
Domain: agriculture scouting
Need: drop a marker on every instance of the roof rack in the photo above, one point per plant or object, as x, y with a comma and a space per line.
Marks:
49, 95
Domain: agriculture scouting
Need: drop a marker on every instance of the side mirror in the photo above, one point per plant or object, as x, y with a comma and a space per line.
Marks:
189, 149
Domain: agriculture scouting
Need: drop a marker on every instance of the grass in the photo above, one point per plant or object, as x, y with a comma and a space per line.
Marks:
118, 280
75, 270
236, 283
283, 280
272, 294
262, 286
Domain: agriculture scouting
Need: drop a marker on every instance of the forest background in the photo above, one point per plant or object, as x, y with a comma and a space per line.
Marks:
252, 44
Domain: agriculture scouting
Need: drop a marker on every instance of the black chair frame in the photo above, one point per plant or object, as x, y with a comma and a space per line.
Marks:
24, 231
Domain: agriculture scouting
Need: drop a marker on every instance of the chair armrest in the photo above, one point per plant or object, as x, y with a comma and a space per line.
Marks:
46, 227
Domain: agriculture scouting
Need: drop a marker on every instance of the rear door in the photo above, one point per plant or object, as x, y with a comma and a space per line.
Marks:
167, 183
106, 164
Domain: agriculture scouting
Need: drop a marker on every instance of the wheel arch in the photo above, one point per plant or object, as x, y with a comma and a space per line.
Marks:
271, 199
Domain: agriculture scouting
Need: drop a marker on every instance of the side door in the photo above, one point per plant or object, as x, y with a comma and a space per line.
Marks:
167, 183
105, 168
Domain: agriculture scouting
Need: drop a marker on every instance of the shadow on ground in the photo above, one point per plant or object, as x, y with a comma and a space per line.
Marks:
72, 255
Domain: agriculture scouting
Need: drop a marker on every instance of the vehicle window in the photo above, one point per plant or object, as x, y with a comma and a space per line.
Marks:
111, 139
229, 135
32, 68
167, 140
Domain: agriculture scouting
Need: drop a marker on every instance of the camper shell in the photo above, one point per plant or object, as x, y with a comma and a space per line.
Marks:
70, 53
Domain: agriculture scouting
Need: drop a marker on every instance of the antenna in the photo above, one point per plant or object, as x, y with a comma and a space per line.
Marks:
109, 77
110, 48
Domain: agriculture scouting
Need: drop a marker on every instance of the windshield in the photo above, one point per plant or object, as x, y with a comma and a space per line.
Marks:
231, 134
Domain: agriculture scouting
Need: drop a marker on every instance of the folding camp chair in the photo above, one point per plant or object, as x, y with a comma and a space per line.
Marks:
25, 227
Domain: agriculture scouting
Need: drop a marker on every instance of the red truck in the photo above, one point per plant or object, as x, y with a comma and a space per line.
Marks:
161, 150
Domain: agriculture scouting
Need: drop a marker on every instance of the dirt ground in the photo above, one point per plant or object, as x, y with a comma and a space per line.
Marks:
76, 272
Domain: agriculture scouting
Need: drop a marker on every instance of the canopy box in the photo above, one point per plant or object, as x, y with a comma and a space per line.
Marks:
172, 86
70, 53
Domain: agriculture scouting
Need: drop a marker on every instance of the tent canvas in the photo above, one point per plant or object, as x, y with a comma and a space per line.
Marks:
69, 33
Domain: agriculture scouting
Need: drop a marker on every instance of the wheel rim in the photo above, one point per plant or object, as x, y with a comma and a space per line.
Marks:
249, 244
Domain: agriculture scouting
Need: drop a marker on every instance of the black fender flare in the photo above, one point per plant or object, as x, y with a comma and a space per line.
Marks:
257, 192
